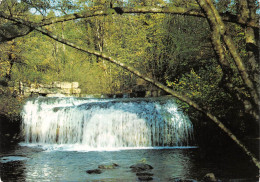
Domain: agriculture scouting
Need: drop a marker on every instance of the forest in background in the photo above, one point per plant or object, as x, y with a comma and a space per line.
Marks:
166, 47
175, 49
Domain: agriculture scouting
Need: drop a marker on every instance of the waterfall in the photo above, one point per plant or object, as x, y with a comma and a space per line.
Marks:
106, 123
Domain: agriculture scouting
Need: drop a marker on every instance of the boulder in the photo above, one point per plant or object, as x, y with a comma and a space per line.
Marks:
66, 85
140, 167
144, 174
145, 178
65, 91
115, 164
75, 84
209, 177
56, 84
76, 90
94, 171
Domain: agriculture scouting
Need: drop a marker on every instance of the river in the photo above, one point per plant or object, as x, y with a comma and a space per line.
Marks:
65, 137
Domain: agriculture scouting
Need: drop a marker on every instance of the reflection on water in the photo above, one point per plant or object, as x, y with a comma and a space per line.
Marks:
168, 164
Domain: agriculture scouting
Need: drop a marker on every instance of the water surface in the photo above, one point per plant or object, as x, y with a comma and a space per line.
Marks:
65, 137
169, 164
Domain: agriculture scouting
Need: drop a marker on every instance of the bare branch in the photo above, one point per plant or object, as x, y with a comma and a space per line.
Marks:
146, 9
124, 10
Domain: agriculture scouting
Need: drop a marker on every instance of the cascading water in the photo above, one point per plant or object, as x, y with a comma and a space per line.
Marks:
105, 124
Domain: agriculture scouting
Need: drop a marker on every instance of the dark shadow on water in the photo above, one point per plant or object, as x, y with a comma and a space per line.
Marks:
12, 171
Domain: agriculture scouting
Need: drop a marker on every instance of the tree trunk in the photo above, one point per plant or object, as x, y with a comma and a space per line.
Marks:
247, 13
218, 28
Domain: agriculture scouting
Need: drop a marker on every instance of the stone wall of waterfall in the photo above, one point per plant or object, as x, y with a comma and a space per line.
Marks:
106, 123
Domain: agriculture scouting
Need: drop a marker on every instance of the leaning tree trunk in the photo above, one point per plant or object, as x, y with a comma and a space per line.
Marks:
219, 31
247, 14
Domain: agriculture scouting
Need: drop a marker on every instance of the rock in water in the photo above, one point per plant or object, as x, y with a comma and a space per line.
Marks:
94, 171
145, 178
143, 171
141, 167
209, 177
115, 164
144, 174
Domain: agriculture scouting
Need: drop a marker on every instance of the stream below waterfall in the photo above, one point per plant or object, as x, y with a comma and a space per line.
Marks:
65, 137
32, 164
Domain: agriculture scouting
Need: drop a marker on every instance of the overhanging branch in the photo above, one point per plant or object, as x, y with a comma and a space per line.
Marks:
148, 79
228, 17
124, 10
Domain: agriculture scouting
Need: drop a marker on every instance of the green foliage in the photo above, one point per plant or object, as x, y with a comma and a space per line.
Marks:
203, 87
10, 106
153, 43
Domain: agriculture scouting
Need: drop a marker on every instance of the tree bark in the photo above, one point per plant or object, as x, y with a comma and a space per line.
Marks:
247, 13
218, 27
226, 82
127, 10
21, 31
146, 9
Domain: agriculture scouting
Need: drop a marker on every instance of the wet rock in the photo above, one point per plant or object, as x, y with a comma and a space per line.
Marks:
145, 178
94, 171
209, 177
115, 164
143, 171
112, 166
144, 174
140, 167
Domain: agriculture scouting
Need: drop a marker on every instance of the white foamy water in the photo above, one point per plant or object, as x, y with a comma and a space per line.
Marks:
103, 124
